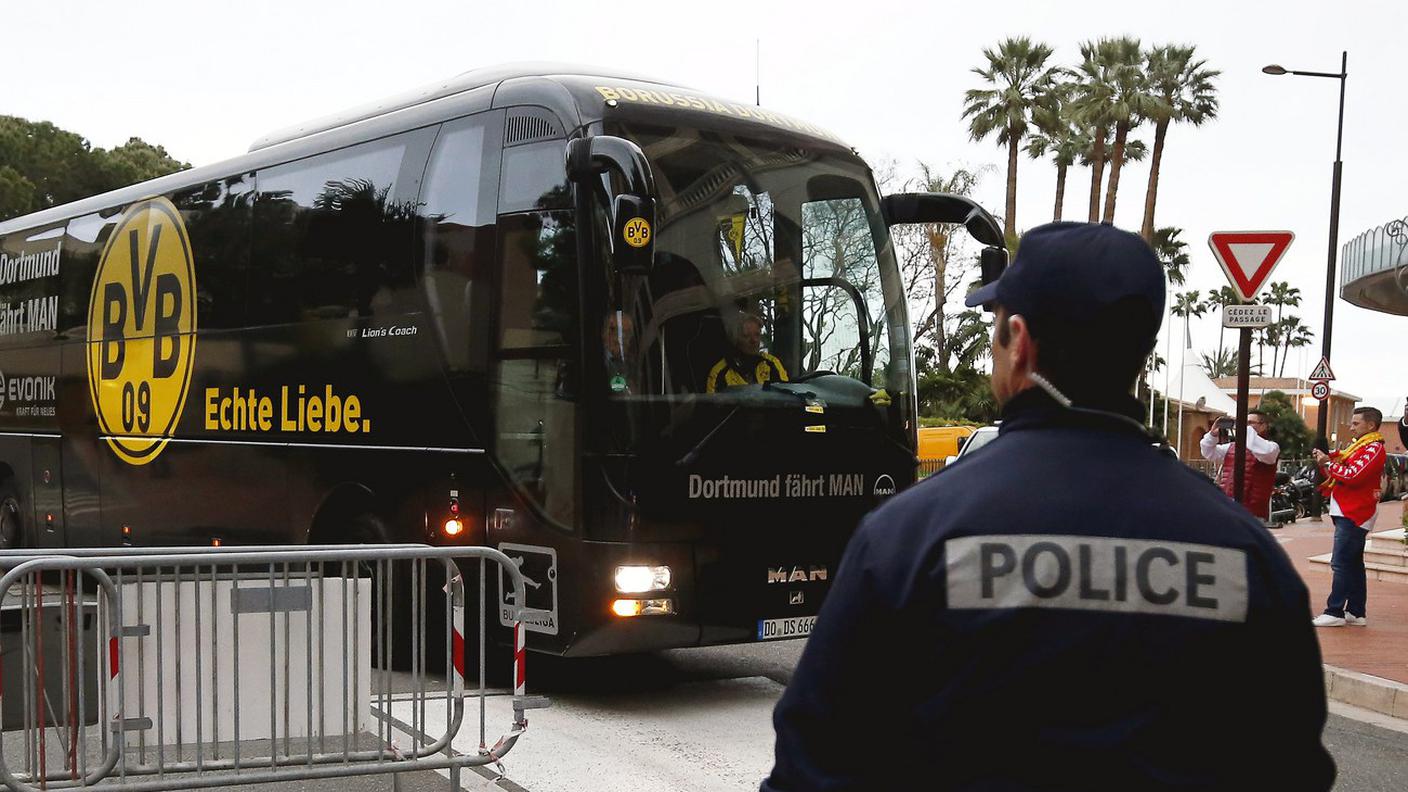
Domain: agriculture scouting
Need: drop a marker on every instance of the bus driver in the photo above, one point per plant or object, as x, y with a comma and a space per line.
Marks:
745, 363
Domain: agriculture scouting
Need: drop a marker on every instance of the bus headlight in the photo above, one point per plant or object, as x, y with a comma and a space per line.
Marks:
642, 579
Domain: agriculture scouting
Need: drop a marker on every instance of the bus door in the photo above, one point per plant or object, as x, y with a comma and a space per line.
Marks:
533, 378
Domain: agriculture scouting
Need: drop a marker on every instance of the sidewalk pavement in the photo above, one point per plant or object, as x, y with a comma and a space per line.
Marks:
1364, 666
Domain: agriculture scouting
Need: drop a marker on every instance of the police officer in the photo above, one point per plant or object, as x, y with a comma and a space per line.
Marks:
1069, 607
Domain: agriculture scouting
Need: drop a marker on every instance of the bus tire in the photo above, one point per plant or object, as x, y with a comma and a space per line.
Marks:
11, 517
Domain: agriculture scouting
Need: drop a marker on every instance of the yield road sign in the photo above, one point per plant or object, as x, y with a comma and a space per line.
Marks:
1320, 390
1246, 315
1322, 371
1248, 257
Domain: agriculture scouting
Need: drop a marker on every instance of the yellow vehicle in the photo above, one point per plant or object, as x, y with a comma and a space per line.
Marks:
942, 442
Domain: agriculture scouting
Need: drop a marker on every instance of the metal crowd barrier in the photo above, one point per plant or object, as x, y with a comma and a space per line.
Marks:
928, 467
126, 667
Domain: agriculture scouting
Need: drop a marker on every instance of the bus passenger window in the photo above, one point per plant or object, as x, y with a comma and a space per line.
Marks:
333, 239
458, 219
217, 217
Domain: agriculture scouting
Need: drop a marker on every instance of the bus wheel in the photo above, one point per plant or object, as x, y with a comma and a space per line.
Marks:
11, 525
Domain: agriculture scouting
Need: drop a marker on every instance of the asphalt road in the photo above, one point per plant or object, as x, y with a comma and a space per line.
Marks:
1370, 756
699, 721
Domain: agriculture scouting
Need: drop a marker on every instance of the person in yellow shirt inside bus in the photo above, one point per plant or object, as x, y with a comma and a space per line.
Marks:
746, 363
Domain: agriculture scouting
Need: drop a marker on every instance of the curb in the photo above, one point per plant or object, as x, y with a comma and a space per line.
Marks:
1365, 691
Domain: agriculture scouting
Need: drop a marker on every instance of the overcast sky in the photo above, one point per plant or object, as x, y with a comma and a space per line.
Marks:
888, 77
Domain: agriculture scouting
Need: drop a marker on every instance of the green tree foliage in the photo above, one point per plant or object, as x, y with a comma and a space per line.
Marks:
1217, 299
42, 165
1172, 252
964, 393
1223, 364
1287, 427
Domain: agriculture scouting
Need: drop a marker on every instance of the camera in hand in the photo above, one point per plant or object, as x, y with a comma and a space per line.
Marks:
1225, 428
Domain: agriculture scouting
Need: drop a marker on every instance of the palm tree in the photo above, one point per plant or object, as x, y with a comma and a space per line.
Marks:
1173, 253
1224, 364
1186, 305
1056, 136
1280, 294
1184, 87
1094, 94
1129, 104
1217, 298
1134, 150
1020, 81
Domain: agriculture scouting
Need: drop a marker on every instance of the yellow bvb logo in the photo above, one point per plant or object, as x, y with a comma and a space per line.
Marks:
636, 232
142, 330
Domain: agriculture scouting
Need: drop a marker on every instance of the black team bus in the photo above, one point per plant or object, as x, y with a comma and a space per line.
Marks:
651, 344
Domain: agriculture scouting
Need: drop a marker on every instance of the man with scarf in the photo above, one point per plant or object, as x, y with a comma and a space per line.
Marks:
1352, 480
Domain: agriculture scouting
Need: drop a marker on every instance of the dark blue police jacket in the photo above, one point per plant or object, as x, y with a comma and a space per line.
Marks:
1066, 608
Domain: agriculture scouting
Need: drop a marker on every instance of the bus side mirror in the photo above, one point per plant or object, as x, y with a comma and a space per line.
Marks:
633, 211
632, 234
931, 207
992, 262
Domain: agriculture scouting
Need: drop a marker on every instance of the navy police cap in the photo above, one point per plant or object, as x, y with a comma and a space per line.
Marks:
1070, 270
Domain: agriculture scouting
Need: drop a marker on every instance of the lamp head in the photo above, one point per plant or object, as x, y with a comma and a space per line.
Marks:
1274, 69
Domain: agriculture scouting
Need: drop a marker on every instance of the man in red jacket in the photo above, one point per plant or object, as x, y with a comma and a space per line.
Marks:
1352, 479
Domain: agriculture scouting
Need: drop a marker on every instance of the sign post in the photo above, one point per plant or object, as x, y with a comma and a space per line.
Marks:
1247, 258
1322, 376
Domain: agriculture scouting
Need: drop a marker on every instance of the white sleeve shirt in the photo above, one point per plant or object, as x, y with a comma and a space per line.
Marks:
1267, 451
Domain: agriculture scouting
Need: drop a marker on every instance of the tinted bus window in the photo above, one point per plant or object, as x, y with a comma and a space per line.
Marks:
458, 207
217, 217
534, 177
84, 240
333, 236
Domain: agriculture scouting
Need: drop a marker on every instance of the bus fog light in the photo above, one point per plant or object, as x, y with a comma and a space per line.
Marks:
642, 579
626, 608
453, 527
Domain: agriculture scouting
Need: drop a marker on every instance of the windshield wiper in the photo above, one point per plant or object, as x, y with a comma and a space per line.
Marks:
692, 455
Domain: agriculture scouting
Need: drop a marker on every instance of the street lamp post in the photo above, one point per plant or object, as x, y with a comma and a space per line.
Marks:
1323, 414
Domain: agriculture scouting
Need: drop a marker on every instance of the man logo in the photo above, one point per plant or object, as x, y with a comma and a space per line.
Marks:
884, 486
796, 597
142, 330
796, 574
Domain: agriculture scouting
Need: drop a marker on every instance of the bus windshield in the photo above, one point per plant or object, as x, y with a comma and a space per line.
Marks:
772, 264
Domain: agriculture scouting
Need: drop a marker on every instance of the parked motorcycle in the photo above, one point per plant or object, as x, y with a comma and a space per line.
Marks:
1283, 506
1302, 489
